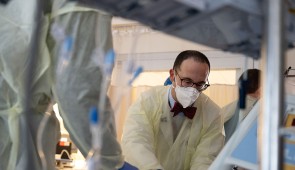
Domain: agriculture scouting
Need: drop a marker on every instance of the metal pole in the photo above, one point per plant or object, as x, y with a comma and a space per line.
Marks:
273, 88
25, 118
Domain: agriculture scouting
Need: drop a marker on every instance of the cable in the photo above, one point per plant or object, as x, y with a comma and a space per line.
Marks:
93, 157
128, 75
40, 134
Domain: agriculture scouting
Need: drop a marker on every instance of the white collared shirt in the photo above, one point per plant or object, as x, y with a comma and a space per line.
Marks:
177, 120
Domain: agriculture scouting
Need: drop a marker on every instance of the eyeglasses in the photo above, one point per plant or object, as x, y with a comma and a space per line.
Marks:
185, 82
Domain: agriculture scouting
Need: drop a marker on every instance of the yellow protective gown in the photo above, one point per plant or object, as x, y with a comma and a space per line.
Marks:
147, 141
16, 32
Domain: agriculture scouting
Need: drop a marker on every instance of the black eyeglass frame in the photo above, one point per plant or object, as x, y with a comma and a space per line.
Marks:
202, 86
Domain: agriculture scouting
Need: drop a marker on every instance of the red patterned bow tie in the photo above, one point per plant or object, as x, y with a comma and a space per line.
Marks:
188, 112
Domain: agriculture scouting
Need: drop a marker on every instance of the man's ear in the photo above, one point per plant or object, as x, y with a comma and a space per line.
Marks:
172, 75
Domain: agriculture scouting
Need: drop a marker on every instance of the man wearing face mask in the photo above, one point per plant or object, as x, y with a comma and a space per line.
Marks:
175, 127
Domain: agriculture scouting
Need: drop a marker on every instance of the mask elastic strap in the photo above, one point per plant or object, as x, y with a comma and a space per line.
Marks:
174, 80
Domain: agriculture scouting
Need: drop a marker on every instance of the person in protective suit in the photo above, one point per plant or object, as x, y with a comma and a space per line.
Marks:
233, 115
19, 150
177, 126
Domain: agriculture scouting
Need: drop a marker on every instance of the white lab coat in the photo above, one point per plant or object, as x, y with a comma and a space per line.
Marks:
147, 141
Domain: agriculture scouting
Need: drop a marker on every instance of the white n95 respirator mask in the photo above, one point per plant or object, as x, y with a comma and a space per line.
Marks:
186, 95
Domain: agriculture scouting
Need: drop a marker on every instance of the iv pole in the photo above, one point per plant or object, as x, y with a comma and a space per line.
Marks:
270, 119
25, 117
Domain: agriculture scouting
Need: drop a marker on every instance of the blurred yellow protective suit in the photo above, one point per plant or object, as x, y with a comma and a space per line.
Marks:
16, 32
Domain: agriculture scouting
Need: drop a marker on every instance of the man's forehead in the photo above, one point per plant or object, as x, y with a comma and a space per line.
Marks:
193, 64
196, 72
